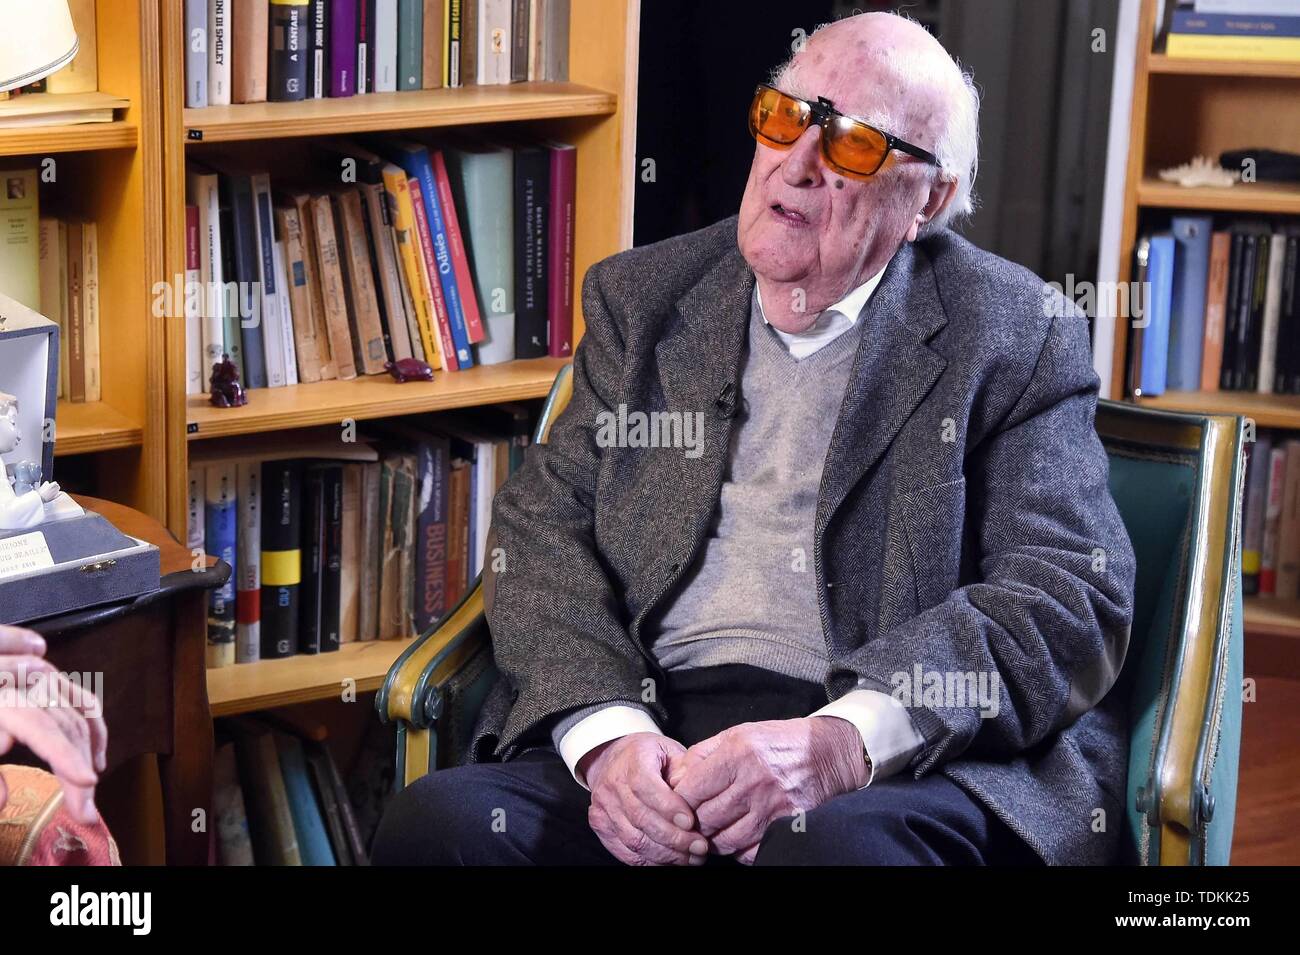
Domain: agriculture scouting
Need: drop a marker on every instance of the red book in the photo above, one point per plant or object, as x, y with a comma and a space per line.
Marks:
456, 247
559, 314
440, 316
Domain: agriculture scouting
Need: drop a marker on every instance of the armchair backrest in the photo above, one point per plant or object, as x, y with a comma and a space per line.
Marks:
1177, 480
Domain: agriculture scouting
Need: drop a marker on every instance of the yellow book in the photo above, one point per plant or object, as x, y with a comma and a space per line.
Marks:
1209, 46
403, 216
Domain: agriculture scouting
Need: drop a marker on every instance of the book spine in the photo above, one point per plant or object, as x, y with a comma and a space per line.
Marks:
1187, 317
1155, 344
372, 525
536, 40
332, 559
432, 274
318, 76
557, 41
281, 557
451, 28
1235, 24
196, 53
383, 262
196, 491
1290, 381
287, 346
1288, 564
311, 591
1272, 520
76, 317
248, 590
273, 355
470, 315
250, 28
61, 265
1252, 540
234, 842
369, 333
304, 807
1268, 346
494, 42
1230, 313
219, 50
402, 213
1263, 246
386, 47
343, 47
237, 300
90, 308
193, 303
1250, 48
559, 328
333, 295
532, 200
311, 266
485, 190
1216, 293
204, 191
221, 535
431, 526
53, 282
519, 42
410, 44
350, 555
307, 348
433, 52
249, 318
469, 58
289, 50
365, 46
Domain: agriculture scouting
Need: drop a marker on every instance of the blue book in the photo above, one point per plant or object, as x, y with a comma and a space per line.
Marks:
220, 518
1187, 311
1155, 341
415, 162
1235, 24
308, 823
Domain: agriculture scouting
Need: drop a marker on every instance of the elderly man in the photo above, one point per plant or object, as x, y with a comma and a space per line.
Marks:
874, 617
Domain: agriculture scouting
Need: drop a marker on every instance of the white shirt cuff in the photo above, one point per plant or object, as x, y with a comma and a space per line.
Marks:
602, 726
888, 734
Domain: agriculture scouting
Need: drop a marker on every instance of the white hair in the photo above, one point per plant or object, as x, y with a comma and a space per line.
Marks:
957, 146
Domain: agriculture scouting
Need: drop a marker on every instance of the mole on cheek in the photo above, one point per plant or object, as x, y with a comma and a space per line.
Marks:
839, 183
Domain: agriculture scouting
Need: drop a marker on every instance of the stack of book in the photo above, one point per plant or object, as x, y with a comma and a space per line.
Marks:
252, 51
1235, 30
279, 799
453, 256
51, 265
1270, 554
1216, 308
333, 542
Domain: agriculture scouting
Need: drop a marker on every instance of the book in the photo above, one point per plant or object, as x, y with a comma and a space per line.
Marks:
248, 588
1237, 24
202, 188
1288, 533
564, 181
1216, 296
410, 257
1254, 506
469, 11
249, 28
195, 491
315, 296
318, 755
1191, 236
307, 347
270, 819
1289, 323
452, 12
289, 51
220, 536
193, 303
333, 295
219, 53
318, 44
1268, 557
33, 110
1272, 314
245, 255
332, 559
371, 540
90, 309
467, 321
386, 269
365, 45
343, 48
82, 74
350, 553
287, 345
76, 343
281, 557
367, 332
1155, 340
330, 811
409, 39
1247, 7
384, 71
196, 53
495, 46
431, 50
397, 559
53, 255
555, 45
519, 35
1248, 47
430, 269
483, 190
234, 842
20, 236
271, 332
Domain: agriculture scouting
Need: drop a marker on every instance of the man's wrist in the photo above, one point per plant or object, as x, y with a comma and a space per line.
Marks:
852, 764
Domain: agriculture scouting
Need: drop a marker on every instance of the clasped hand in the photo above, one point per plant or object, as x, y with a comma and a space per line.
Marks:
657, 802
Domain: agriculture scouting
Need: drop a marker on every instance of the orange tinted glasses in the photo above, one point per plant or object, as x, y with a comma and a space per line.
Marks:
851, 147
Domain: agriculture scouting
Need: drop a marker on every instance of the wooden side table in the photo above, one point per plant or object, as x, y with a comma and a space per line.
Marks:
152, 653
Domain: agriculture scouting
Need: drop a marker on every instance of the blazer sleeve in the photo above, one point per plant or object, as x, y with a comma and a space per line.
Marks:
1049, 614
558, 634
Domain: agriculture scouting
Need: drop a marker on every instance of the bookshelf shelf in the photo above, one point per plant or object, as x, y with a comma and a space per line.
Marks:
1262, 198
374, 396
409, 110
1267, 411
83, 137
1269, 615
1160, 63
246, 687
94, 426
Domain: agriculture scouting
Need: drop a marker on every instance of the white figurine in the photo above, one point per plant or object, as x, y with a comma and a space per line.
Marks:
20, 511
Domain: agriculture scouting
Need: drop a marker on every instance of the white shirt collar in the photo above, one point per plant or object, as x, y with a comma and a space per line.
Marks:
830, 324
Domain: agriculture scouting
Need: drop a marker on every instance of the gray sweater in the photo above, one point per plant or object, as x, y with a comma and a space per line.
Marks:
751, 595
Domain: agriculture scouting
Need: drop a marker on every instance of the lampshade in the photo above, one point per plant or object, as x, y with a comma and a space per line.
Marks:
36, 39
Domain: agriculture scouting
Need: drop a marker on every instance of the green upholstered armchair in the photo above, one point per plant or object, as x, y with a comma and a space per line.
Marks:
1177, 480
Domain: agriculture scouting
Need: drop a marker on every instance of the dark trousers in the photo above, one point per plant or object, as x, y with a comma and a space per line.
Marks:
530, 810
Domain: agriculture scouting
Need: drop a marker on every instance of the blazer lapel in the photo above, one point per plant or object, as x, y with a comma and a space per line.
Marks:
892, 373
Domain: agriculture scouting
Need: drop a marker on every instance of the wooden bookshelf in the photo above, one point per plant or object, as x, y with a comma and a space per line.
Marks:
1159, 63
1278, 618
86, 137
1273, 198
1267, 411
595, 111
87, 427
246, 687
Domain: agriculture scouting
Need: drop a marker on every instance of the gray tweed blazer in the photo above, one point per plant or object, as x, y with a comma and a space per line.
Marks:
964, 524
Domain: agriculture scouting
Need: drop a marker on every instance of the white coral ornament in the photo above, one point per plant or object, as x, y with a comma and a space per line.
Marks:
1201, 171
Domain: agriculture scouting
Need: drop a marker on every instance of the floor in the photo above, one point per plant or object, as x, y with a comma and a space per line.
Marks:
1268, 788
